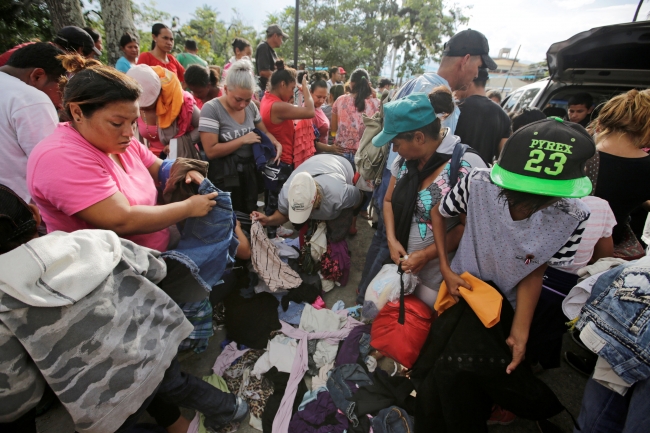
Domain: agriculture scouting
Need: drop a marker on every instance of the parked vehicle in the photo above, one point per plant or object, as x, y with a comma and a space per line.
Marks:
603, 62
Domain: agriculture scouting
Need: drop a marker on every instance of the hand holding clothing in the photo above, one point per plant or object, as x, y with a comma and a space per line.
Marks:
200, 205
415, 262
251, 138
454, 281
194, 176
397, 251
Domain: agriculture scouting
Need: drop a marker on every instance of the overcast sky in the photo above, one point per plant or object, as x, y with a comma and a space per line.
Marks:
533, 24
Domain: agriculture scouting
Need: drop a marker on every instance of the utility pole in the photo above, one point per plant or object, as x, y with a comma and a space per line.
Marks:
295, 35
511, 66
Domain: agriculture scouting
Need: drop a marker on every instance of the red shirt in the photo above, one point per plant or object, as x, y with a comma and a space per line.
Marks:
173, 65
4, 58
283, 132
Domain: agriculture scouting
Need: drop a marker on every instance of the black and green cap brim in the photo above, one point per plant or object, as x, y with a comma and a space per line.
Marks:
570, 188
383, 138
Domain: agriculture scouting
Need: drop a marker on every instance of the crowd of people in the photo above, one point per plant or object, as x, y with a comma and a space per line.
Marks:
141, 202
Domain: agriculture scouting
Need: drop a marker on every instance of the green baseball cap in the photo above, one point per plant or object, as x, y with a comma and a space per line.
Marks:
546, 157
403, 115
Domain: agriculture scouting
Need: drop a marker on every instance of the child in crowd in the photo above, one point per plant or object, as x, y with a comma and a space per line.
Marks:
521, 216
580, 107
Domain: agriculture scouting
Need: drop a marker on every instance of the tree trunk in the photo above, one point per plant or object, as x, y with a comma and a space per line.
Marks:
118, 19
65, 13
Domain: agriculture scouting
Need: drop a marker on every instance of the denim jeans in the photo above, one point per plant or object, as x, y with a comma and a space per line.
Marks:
393, 419
617, 312
340, 390
186, 390
378, 254
605, 411
209, 241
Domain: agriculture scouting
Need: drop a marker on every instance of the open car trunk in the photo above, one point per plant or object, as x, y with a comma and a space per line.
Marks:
617, 54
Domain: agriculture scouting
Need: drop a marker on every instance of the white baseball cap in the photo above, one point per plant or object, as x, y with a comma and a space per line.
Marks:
149, 80
302, 195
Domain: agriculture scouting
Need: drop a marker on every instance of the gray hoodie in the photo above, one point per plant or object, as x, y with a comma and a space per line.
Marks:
82, 312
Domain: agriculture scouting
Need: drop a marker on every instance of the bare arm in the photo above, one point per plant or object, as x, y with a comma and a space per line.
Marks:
277, 219
323, 147
528, 291
266, 74
116, 213
282, 111
244, 248
154, 169
334, 124
453, 280
603, 248
397, 250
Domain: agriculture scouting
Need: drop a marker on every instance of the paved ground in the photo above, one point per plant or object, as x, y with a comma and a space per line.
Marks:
567, 384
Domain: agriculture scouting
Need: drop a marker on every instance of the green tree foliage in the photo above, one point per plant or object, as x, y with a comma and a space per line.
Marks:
144, 16
360, 33
22, 21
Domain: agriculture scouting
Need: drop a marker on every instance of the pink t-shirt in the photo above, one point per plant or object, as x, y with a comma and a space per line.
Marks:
66, 174
600, 224
350, 121
322, 123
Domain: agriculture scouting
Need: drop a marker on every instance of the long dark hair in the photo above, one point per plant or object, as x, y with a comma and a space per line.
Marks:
361, 89
17, 223
155, 30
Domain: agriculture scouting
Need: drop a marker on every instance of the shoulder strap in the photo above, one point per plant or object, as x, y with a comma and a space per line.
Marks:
456, 158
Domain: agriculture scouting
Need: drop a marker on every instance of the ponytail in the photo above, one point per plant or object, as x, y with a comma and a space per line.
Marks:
282, 74
360, 89
155, 31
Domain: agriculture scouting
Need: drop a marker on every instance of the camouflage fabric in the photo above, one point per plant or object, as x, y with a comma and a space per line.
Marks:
102, 354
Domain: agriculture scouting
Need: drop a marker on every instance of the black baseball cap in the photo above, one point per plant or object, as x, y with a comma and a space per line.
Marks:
72, 37
470, 42
546, 157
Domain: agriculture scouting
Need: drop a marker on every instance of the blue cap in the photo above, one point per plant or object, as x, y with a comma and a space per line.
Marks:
403, 115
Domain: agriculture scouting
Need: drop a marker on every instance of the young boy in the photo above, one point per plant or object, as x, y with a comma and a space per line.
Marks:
520, 217
580, 108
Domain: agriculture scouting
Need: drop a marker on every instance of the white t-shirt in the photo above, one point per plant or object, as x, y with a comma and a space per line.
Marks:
600, 224
27, 116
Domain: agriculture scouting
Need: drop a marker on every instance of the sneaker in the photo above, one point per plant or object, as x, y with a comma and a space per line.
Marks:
283, 232
580, 364
238, 415
501, 416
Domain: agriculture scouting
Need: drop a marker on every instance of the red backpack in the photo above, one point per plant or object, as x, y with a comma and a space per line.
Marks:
402, 341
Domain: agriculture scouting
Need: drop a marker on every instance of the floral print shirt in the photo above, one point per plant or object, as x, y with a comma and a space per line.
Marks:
350, 121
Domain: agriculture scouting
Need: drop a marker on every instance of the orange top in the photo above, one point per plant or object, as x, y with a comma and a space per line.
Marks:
483, 299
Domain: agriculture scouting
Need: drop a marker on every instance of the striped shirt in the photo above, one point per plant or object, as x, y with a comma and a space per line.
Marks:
266, 262
496, 248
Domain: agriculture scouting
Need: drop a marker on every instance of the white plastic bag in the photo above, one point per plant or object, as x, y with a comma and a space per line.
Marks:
384, 288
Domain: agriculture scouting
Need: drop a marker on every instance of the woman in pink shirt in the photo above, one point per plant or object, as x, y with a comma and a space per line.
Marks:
92, 173
320, 121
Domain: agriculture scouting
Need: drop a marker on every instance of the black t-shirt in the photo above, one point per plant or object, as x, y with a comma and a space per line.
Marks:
265, 59
623, 183
482, 124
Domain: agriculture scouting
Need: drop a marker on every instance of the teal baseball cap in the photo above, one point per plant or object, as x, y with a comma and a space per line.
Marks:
403, 115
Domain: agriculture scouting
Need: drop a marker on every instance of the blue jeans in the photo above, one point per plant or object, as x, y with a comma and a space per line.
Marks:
340, 390
392, 420
186, 390
605, 411
378, 254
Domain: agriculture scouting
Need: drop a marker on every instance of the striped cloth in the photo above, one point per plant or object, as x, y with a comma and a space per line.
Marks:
266, 262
